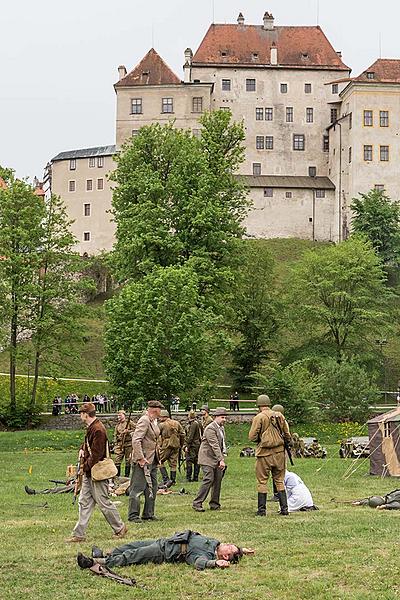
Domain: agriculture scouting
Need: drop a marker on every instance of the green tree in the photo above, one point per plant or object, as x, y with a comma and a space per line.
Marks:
255, 312
338, 293
159, 341
377, 218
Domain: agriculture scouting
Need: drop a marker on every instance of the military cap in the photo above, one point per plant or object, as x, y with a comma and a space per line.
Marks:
205, 407
263, 400
154, 404
220, 411
164, 413
278, 408
87, 407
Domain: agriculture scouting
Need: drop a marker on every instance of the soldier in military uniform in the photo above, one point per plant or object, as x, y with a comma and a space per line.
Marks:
298, 445
172, 439
206, 418
270, 430
389, 502
123, 442
183, 547
193, 441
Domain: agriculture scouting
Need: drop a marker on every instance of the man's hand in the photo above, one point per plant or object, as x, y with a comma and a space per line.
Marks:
221, 465
142, 462
223, 564
250, 551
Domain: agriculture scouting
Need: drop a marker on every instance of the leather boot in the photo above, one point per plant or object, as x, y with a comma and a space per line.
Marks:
118, 470
283, 503
196, 472
164, 475
261, 505
189, 473
173, 477
127, 469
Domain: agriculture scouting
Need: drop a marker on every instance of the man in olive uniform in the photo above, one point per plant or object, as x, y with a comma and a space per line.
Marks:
193, 441
172, 439
270, 430
389, 502
206, 419
123, 442
183, 547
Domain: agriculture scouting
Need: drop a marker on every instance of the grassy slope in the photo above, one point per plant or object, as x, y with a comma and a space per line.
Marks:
340, 552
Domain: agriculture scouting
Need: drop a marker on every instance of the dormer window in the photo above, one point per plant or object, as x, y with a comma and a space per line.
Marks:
145, 73
224, 53
304, 55
370, 75
255, 55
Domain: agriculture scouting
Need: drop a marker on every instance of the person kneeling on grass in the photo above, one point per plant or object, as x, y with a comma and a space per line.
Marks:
298, 495
187, 547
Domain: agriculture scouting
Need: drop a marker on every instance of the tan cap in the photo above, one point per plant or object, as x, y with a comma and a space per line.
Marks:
205, 407
220, 411
87, 407
154, 404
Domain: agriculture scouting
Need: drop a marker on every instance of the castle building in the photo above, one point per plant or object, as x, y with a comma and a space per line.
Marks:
307, 123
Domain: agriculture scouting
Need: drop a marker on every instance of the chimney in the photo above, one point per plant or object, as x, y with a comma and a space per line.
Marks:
187, 67
121, 72
188, 56
240, 19
268, 21
274, 54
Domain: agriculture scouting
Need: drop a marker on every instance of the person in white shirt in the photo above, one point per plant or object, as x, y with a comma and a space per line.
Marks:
298, 495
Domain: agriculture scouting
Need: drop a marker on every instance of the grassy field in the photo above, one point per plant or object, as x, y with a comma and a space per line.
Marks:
340, 552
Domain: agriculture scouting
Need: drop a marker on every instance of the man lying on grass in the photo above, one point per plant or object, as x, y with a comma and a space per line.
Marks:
184, 547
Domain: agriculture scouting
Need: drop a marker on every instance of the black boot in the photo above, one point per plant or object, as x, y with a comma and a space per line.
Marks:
30, 491
173, 477
283, 503
196, 472
189, 473
127, 469
164, 475
118, 470
275, 497
85, 562
261, 505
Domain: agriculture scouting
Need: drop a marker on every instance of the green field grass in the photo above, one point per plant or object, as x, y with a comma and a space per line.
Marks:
340, 552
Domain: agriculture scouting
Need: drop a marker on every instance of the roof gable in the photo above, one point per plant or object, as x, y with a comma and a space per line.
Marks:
251, 44
385, 70
151, 70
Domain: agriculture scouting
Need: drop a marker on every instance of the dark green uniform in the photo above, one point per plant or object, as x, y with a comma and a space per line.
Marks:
199, 551
193, 441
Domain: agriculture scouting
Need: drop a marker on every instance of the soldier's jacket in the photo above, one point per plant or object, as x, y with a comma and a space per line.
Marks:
265, 431
122, 433
172, 434
193, 434
206, 420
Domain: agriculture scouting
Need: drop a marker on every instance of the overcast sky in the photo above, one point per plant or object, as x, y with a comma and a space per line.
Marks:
58, 60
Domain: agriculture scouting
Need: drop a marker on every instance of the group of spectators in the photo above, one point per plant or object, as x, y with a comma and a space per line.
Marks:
102, 402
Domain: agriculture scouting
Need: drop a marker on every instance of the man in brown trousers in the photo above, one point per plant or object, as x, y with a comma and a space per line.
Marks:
123, 442
93, 450
145, 462
172, 439
212, 460
270, 430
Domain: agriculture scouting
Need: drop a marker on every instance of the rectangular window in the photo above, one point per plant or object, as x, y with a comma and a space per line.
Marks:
226, 85
197, 105
89, 185
333, 115
284, 88
100, 162
368, 118
288, 194
167, 105
260, 142
86, 236
86, 210
92, 162
320, 193
307, 88
72, 164
136, 106
269, 142
367, 152
135, 132
384, 153
71, 186
256, 168
384, 118
380, 187
100, 184
250, 85
335, 88
325, 143
268, 192
312, 171
299, 142
259, 114
350, 154
289, 114
269, 114
309, 115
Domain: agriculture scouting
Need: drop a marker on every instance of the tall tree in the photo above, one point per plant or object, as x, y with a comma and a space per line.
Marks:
378, 219
338, 292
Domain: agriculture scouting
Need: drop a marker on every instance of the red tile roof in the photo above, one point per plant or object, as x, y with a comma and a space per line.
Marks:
385, 70
251, 44
151, 70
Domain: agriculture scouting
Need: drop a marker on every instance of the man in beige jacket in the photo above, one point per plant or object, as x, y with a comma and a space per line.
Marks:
145, 462
212, 460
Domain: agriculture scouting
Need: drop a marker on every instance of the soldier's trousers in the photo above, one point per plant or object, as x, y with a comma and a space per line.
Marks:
92, 493
169, 455
212, 478
273, 464
140, 486
136, 553
122, 452
192, 455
